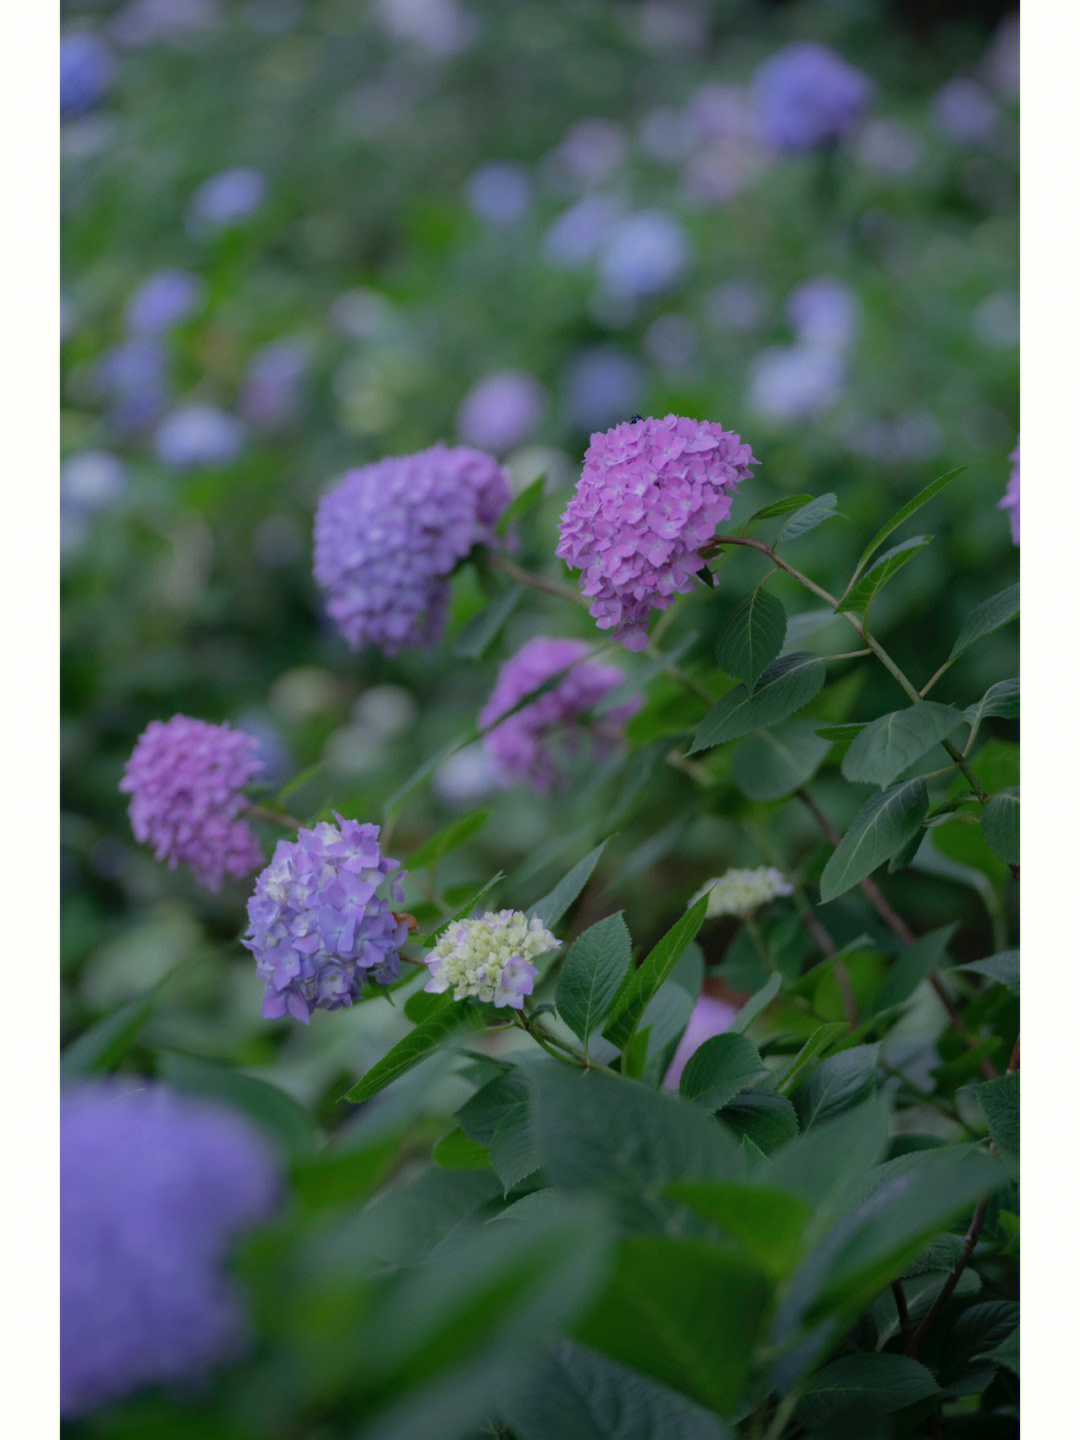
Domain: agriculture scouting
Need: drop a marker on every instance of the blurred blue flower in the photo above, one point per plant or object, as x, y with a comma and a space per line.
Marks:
91, 480
807, 96
592, 150
824, 311
499, 193
197, 436
645, 255
146, 22
443, 27
225, 200
131, 378
965, 112
602, 385
501, 411
163, 300
794, 383
737, 305
579, 232
87, 72
274, 387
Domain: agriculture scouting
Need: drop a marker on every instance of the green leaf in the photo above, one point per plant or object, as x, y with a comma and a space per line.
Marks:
1001, 825
481, 1116
861, 595
719, 1068
458, 913
340, 1175
1000, 1101
642, 678
768, 1223
659, 1315
756, 1004
824, 1162
986, 618
551, 909
1006, 1353
891, 743
820, 1040
514, 1153
288, 1124
579, 1395
102, 1047
455, 834
1001, 701
774, 763
409, 1051
768, 1119
883, 824
836, 1084
785, 686
592, 974
477, 636
778, 507
643, 983
457, 1152
521, 504
912, 966
904, 513
751, 636
809, 517
1003, 967
863, 1386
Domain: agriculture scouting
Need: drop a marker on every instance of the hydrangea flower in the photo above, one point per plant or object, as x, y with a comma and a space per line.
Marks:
645, 255
388, 536
198, 436
710, 1016
1010, 501
226, 200
531, 744
154, 1188
87, 72
490, 958
501, 410
320, 921
741, 892
807, 96
649, 500
164, 299
186, 778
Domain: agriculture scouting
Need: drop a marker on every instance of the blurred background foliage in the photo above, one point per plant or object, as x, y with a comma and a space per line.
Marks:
297, 237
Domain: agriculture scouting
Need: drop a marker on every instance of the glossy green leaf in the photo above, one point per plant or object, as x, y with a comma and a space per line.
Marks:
1002, 701
643, 983
719, 1068
785, 686
521, 504
409, 1051
777, 508
904, 513
481, 1115
514, 1153
768, 1223
1003, 967
1001, 825
863, 1386
751, 636
592, 973
457, 1152
881, 826
764, 1117
554, 905
1000, 1102
913, 965
757, 1003
819, 1041
808, 517
862, 594
889, 744
772, 763
835, 1084
991, 615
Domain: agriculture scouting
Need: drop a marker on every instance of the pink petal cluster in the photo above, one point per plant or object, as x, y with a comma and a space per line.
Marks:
531, 745
649, 500
186, 778
1010, 501
710, 1016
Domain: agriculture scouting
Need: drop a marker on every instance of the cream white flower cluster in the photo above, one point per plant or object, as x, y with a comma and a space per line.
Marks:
741, 892
490, 958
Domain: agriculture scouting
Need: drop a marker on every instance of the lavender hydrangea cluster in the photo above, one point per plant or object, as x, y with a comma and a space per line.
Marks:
649, 500
806, 96
532, 744
1010, 501
491, 958
154, 1188
320, 921
186, 778
388, 536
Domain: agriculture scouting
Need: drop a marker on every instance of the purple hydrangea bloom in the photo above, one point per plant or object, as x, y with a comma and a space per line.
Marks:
274, 386
87, 72
649, 500
186, 778
710, 1016
320, 921
531, 745
500, 193
198, 436
645, 256
1010, 501
501, 410
226, 200
163, 300
154, 1188
132, 379
388, 536
807, 96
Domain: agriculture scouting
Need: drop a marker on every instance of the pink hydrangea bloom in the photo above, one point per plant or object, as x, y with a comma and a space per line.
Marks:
648, 502
186, 778
531, 745
1010, 501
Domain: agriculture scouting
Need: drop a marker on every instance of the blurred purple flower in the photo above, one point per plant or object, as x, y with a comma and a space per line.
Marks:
645, 255
442, 27
88, 71
131, 378
807, 96
1010, 501
501, 411
389, 534
196, 437
966, 112
649, 500
578, 233
601, 385
164, 300
91, 480
146, 22
500, 193
225, 200
321, 925
532, 744
825, 312
592, 150
890, 147
186, 780
273, 390
738, 305
154, 1189
795, 383
709, 1017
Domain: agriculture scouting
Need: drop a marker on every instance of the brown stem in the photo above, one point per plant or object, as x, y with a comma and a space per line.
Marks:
275, 817
1014, 1060
537, 582
900, 929
970, 1241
